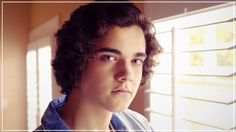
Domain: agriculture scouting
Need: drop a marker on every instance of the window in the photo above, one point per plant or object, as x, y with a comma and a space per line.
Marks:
39, 80
40, 83
193, 88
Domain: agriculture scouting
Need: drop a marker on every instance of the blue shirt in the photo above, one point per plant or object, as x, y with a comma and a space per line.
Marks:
121, 121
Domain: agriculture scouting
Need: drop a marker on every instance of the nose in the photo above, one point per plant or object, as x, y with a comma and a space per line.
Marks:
124, 72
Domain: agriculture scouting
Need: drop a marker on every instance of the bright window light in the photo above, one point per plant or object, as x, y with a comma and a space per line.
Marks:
193, 88
39, 81
45, 81
31, 89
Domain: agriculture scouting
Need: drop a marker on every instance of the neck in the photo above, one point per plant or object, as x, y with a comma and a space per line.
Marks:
79, 114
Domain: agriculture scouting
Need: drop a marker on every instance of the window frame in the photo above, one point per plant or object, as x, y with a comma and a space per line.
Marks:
178, 23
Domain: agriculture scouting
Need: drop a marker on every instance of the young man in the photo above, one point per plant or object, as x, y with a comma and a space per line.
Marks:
105, 52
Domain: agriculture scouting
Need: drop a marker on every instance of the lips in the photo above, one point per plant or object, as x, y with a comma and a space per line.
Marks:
120, 90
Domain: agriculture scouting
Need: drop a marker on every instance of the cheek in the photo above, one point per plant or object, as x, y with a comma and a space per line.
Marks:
92, 84
138, 74
96, 75
137, 78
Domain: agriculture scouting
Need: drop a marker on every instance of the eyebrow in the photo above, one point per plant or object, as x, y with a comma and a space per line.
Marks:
115, 51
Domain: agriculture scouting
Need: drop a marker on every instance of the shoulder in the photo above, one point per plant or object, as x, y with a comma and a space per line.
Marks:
51, 119
134, 120
39, 129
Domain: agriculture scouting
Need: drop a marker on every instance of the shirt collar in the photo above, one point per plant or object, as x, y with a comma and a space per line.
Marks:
51, 119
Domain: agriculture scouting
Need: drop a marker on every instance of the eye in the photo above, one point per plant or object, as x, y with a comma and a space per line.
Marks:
137, 61
108, 58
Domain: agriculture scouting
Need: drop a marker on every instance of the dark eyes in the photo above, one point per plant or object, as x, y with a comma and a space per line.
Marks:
137, 61
111, 58
108, 58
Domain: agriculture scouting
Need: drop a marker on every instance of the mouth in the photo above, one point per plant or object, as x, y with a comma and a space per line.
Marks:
121, 91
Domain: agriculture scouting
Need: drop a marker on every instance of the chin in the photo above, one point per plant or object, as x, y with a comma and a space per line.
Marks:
119, 109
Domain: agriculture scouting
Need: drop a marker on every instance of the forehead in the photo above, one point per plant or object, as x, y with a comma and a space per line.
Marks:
126, 39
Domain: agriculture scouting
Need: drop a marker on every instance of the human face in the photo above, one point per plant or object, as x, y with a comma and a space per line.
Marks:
114, 72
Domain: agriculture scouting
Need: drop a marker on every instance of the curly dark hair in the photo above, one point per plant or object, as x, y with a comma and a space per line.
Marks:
87, 25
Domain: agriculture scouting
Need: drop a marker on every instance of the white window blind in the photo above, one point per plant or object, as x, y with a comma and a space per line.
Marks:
39, 80
193, 88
